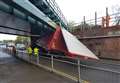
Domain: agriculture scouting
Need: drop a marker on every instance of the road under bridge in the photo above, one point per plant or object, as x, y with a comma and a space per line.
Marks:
13, 70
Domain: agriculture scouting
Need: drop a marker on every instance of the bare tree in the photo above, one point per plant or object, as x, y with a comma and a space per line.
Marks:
116, 11
71, 25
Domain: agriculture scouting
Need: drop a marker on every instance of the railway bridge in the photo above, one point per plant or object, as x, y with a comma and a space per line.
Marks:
38, 19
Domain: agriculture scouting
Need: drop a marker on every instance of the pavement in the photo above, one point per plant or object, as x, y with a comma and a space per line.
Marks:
13, 70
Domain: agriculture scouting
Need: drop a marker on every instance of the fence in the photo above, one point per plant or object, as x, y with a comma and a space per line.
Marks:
89, 71
97, 21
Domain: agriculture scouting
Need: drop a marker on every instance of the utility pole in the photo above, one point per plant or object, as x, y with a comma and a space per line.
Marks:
107, 18
84, 23
107, 12
95, 19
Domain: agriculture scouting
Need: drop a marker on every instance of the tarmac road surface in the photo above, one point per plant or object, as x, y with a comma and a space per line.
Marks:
16, 71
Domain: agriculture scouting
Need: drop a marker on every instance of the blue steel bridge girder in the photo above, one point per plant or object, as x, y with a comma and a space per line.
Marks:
12, 22
38, 2
9, 24
46, 16
29, 9
47, 11
44, 6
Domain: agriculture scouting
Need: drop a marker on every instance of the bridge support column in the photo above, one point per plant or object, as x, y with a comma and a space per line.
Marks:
35, 30
33, 41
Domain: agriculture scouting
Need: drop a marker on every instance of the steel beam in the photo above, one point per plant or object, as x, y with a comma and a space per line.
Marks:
28, 8
99, 37
13, 25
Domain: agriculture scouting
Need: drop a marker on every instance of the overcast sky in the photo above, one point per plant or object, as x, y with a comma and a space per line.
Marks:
74, 10
7, 37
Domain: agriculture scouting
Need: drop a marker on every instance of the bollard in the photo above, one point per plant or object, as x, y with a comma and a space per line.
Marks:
79, 78
37, 59
30, 57
52, 63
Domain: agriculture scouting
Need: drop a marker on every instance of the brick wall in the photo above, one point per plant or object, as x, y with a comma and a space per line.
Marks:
107, 47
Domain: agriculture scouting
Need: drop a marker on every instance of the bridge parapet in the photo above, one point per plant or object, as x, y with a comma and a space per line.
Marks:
96, 32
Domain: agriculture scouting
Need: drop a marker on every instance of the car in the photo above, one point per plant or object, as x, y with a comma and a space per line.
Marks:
20, 47
2, 45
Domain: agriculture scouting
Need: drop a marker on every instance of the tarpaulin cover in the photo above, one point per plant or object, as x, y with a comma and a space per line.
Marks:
57, 41
64, 41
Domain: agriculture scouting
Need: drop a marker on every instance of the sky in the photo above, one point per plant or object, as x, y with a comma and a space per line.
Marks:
7, 37
74, 10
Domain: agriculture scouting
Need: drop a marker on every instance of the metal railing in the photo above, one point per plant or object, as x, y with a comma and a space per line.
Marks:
74, 68
57, 10
50, 65
114, 20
